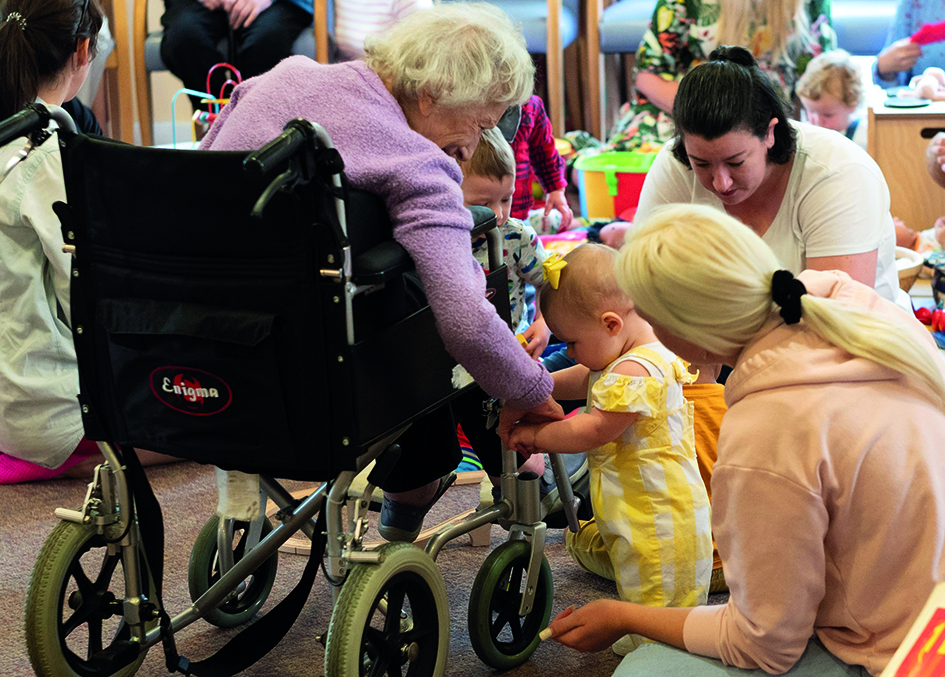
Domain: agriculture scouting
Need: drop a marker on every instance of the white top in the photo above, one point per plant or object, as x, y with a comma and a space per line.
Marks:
836, 203
356, 19
40, 420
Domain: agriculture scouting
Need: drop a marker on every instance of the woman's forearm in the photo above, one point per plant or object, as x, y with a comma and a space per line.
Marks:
660, 92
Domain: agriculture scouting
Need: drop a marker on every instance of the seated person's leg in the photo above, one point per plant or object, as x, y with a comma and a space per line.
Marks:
660, 660
191, 35
467, 409
429, 454
268, 40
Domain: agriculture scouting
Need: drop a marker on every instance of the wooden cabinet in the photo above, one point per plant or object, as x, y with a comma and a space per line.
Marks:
897, 138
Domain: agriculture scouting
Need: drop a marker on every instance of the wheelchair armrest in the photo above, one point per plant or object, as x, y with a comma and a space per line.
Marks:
483, 220
381, 263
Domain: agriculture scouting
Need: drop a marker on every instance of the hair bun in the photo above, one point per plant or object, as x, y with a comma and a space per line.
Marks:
733, 53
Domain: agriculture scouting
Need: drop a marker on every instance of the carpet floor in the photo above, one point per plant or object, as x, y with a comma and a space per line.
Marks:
188, 496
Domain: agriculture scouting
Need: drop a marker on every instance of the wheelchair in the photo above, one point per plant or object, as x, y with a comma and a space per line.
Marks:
223, 332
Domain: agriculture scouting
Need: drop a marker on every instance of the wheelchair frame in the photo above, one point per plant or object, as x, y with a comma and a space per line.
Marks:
110, 511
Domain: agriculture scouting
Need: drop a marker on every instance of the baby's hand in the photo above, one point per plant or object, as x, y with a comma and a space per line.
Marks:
523, 437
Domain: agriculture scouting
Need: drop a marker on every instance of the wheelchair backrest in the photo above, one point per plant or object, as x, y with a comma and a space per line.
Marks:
207, 334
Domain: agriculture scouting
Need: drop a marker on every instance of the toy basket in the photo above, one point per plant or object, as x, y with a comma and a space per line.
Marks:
610, 183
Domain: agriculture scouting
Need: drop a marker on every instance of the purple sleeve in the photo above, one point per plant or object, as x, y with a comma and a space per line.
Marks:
420, 186
455, 286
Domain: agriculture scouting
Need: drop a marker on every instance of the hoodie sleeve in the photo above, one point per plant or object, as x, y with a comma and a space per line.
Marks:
776, 576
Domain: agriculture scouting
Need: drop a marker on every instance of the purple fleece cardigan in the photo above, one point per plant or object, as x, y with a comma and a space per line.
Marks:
420, 185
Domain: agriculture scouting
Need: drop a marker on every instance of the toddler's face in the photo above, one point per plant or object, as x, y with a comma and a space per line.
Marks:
488, 191
588, 341
828, 112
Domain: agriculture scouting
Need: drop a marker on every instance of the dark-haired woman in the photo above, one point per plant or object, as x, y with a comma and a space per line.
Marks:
817, 199
46, 47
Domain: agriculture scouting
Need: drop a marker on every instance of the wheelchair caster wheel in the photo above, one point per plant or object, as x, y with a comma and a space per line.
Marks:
204, 571
391, 618
74, 606
500, 637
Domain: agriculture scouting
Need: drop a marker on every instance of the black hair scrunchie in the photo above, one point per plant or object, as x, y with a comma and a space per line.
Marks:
787, 290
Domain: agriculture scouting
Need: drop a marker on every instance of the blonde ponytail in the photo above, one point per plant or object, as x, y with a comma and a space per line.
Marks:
707, 278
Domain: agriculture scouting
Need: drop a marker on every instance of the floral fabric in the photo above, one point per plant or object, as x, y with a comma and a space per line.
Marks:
682, 34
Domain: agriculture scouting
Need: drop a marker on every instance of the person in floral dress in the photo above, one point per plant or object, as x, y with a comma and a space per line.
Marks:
681, 34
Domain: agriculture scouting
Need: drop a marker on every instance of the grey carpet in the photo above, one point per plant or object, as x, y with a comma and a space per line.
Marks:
188, 497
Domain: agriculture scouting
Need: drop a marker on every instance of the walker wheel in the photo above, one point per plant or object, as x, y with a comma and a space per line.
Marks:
500, 637
74, 605
391, 618
204, 571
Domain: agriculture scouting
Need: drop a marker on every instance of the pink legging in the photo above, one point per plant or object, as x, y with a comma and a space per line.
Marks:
14, 470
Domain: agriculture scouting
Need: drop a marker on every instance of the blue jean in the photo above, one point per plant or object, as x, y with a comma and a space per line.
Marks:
659, 660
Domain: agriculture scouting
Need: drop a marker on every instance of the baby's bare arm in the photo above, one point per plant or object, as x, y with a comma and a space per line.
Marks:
583, 432
571, 383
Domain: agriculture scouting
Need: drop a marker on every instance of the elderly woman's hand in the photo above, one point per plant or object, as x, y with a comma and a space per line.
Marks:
549, 410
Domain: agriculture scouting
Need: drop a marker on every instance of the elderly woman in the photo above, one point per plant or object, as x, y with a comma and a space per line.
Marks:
401, 119
829, 491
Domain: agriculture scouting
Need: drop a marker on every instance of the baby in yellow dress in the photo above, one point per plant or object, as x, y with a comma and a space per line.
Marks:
650, 505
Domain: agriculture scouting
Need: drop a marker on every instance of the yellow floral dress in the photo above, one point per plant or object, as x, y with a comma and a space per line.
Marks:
650, 504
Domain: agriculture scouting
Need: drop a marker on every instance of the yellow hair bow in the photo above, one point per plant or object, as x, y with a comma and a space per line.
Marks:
552, 267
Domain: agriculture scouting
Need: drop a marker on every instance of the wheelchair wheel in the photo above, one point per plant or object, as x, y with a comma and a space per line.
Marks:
74, 605
410, 637
204, 571
500, 637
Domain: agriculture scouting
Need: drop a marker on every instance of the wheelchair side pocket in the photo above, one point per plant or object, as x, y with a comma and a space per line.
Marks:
228, 387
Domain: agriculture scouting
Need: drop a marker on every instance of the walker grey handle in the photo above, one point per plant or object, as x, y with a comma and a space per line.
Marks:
570, 502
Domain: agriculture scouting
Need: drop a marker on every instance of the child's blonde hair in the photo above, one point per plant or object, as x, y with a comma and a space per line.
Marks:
587, 286
718, 295
493, 157
832, 72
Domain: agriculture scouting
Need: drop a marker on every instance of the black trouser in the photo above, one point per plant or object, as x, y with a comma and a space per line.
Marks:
193, 35
429, 448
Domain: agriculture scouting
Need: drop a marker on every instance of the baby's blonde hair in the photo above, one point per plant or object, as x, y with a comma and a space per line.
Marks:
493, 157
832, 72
718, 295
587, 286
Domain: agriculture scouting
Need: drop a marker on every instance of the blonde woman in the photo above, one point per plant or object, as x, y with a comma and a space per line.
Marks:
829, 490
783, 35
401, 120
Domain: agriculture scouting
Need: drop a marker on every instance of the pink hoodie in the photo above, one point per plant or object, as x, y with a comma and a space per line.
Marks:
828, 498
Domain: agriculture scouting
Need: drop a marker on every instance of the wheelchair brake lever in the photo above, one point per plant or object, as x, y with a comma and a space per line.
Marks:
286, 179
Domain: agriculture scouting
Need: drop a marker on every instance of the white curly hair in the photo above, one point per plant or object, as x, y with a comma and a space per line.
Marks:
459, 54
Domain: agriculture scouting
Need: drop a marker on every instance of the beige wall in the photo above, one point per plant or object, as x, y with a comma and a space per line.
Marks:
163, 87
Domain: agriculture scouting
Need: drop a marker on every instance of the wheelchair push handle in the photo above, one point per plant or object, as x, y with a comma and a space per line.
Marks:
33, 118
278, 151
